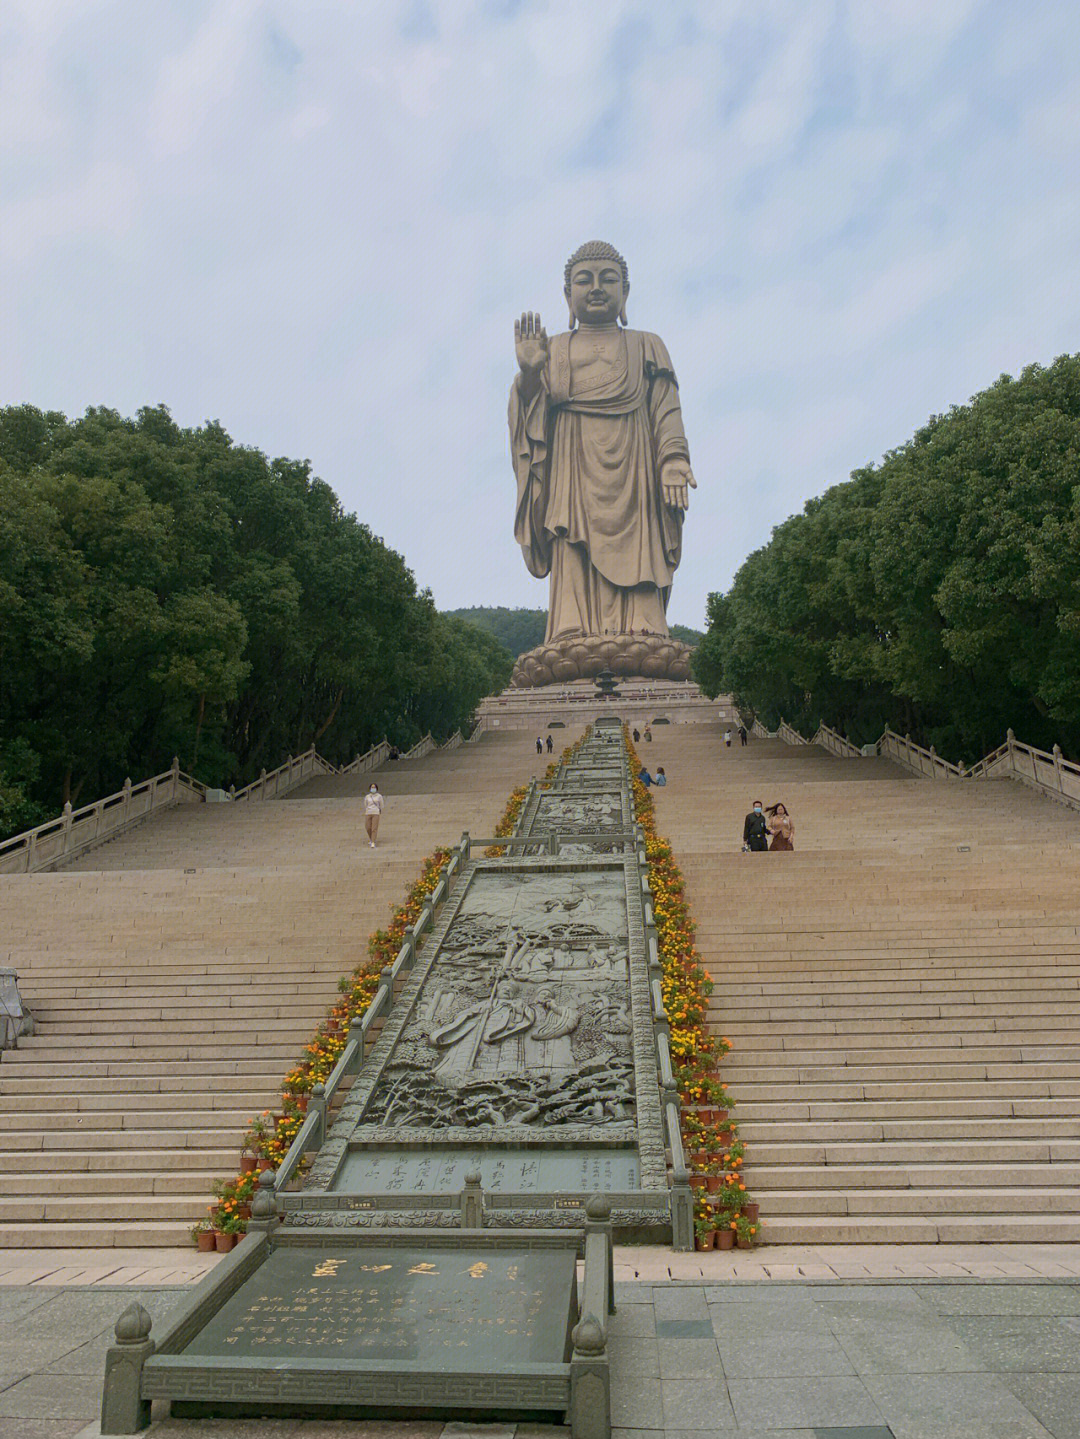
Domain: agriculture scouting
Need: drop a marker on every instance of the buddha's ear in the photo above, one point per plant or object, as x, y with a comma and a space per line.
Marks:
569, 306
622, 313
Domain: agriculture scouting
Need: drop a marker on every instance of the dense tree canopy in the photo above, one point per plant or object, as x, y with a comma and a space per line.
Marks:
164, 591
938, 591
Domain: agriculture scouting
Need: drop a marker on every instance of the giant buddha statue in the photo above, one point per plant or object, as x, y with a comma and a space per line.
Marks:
603, 472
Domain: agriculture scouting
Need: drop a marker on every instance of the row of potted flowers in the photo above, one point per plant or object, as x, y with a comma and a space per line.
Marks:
724, 1212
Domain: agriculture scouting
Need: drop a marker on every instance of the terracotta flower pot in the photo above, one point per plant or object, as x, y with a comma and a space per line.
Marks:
248, 1163
714, 1182
244, 1211
745, 1243
750, 1211
223, 1242
302, 1103
704, 1242
265, 1164
697, 1181
725, 1239
204, 1242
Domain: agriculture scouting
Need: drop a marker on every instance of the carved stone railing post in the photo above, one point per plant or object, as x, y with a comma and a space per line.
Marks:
472, 1202
317, 1102
123, 1410
1057, 769
175, 775
264, 1205
385, 991
590, 1381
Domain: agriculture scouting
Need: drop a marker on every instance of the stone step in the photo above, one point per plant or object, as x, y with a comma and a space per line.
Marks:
41, 1096
1005, 993
914, 1129
98, 1208
923, 1111
938, 1038
170, 1029
270, 1068
120, 1182
920, 1151
993, 1200
222, 1162
17, 1141
101, 1121
907, 1019
858, 1090
133, 1232
955, 1228
876, 1173
786, 1068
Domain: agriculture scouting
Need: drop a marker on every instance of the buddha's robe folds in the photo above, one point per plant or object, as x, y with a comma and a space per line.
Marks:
590, 511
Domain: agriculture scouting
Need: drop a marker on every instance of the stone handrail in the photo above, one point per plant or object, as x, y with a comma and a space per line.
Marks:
789, 735
904, 750
15, 1019
758, 730
378, 754
1046, 771
295, 771
77, 830
836, 743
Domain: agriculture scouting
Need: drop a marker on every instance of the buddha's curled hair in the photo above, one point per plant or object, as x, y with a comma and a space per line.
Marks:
595, 250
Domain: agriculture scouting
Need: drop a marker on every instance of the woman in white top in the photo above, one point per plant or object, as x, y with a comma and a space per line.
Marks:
373, 808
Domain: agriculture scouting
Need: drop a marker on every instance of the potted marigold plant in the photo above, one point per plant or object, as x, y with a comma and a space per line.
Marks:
704, 1235
745, 1232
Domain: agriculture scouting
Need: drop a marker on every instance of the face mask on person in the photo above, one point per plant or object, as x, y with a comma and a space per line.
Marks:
374, 789
757, 809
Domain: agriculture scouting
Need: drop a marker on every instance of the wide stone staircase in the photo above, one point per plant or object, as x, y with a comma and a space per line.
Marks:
176, 972
902, 993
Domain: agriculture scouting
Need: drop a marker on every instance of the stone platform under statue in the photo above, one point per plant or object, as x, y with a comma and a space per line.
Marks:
638, 701
582, 657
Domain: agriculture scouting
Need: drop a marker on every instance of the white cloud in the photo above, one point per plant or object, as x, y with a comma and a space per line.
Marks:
317, 222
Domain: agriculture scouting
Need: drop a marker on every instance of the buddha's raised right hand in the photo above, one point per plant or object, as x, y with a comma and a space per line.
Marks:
531, 344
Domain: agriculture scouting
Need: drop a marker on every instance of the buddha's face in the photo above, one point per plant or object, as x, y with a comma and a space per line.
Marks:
597, 293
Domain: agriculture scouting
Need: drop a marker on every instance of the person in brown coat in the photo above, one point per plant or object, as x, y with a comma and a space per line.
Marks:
781, 827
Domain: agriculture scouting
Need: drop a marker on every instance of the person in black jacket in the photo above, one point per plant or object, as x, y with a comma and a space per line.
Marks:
755, 830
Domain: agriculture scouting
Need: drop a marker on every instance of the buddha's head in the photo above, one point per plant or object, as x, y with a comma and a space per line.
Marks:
596, 284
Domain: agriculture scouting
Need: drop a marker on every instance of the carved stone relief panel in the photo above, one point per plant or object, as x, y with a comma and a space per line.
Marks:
524, 1017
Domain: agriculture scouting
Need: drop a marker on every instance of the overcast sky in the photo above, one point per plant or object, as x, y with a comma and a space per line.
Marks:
315, 223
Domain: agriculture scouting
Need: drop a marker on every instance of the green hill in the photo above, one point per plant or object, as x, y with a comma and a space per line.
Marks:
521, 630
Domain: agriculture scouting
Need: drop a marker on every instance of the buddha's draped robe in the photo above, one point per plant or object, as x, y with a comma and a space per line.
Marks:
590, 511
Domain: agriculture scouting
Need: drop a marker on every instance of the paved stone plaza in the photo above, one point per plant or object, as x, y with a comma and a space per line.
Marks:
941, 1342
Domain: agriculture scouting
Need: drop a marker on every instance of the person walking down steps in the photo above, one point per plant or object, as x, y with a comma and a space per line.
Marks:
755, 830
373, 808
539, 745
550, 744
781, 827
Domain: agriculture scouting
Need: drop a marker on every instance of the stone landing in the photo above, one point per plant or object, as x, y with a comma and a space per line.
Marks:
559, 707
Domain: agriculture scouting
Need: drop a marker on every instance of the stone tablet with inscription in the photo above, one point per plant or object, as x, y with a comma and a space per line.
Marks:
436, 1309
